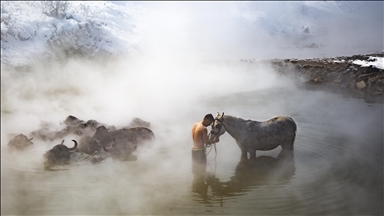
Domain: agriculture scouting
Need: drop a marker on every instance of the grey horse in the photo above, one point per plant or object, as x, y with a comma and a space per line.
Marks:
253, 135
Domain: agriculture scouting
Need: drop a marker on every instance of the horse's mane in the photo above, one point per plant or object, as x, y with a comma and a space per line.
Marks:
242, 119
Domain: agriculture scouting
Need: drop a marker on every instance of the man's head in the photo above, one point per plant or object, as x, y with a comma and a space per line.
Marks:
208, 119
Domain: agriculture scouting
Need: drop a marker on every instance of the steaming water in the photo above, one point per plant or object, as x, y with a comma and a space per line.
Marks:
336, 167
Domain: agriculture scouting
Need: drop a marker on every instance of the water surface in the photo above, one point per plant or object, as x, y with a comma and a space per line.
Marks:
336, 167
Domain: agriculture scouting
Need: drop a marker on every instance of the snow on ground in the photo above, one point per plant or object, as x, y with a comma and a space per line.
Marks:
375, 62
235, 29
88, 27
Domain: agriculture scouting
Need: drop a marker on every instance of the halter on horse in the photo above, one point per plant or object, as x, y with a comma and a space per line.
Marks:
215, 132
216, 129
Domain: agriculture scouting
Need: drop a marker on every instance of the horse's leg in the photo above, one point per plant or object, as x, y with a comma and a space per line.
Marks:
252, 154
244, 154
288, 143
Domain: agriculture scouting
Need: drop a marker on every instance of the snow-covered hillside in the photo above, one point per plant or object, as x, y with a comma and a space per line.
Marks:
85, 28
206, 29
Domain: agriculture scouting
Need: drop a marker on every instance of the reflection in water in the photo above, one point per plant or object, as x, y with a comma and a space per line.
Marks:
249, 173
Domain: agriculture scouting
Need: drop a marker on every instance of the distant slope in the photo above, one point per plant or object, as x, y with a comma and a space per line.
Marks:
85, 29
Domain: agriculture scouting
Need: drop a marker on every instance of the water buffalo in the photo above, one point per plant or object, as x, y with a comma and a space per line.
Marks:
134, 136
92, 147
102, 135
20, 142
72, 121
89, 145
44, 133
119, 143
95, 124
121, 150
126, 140
80, 127
73, 125
59, 154
137, 122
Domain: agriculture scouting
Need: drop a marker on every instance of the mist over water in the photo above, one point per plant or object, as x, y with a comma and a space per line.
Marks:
262, 30
187, 66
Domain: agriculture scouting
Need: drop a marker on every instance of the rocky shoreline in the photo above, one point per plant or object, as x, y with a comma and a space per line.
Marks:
355, 74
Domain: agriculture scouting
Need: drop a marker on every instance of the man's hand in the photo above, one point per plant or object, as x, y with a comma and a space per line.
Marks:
215, 140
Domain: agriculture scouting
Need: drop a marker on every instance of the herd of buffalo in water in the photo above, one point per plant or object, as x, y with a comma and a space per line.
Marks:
97, 141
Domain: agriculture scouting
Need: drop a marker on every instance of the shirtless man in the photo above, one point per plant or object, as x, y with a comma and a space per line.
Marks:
200, 140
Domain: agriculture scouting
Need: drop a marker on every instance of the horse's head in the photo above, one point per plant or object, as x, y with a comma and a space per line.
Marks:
217, 128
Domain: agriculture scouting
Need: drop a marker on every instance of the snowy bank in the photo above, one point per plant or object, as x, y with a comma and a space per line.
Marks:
375, 62
86, 28
360, 74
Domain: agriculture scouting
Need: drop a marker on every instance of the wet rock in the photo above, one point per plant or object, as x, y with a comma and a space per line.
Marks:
340, 72
360, 85
352, 84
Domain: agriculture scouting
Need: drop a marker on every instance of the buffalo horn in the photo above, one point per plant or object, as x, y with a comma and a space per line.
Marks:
74, 147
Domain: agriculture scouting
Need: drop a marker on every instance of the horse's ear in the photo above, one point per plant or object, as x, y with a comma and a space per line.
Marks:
222, 114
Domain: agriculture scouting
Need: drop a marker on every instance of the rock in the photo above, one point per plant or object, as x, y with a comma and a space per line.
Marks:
352, 85
339, 72
360, 85
369, 84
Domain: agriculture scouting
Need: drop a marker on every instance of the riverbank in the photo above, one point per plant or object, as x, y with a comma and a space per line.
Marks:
360, 75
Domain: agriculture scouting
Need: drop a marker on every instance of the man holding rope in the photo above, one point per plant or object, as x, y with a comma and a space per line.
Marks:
200, 140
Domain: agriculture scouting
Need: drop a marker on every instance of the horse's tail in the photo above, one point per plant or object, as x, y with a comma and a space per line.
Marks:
289, 143
293, 123
293, 138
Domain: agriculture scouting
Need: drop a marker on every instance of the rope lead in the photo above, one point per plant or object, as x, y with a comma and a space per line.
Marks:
210, 145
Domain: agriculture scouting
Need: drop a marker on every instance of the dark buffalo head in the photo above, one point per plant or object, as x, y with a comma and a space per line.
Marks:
94, 124
59, 154
72, 121
89, 145
102, 135
137, 122
136, 135
20, 142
